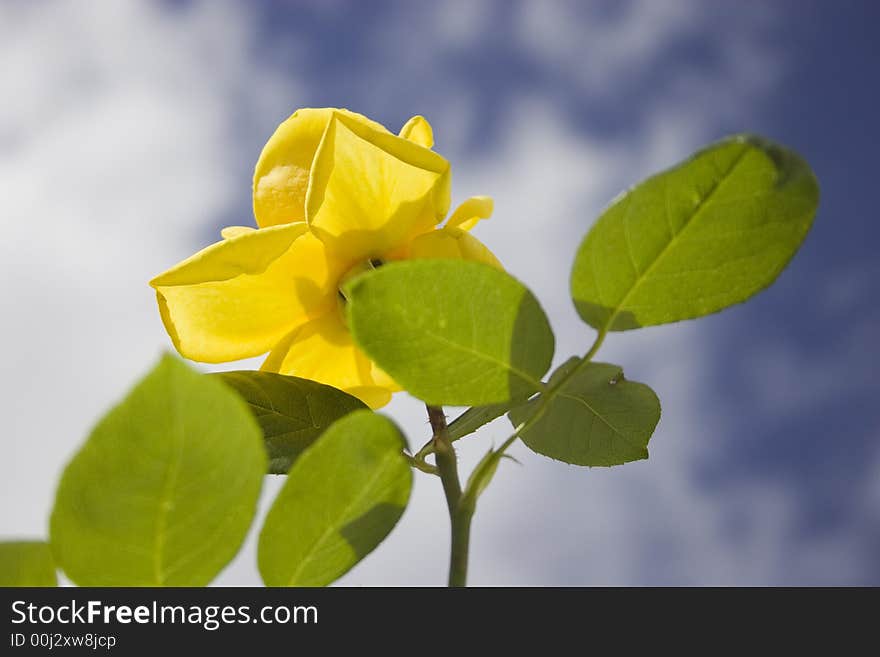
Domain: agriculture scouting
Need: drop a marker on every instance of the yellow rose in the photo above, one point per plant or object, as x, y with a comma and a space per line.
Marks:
334, 194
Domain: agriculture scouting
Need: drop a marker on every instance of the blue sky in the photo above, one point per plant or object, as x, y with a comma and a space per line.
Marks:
129, 138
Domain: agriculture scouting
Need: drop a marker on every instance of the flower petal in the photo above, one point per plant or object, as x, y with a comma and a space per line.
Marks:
468, 214
371, 191
451, 243
372, 396
234, 231
281, 177
324, 351
238, 297
418, 131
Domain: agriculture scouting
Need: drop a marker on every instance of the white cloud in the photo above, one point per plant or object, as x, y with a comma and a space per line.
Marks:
116, 151
600, 49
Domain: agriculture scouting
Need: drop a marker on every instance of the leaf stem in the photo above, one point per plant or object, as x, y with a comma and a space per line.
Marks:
459, 516
419, 463
588, 357
426, 450
600, 338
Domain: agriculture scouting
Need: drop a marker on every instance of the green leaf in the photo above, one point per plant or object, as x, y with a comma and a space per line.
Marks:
342, 497
451, 331
26, 563
292, 412
482, 475
165, 488
692, 240
591, 415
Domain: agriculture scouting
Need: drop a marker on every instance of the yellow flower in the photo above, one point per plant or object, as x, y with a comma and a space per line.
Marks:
334, 194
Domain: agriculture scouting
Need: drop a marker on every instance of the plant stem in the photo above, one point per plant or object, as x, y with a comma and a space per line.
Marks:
461, 511
459, 517
458, 555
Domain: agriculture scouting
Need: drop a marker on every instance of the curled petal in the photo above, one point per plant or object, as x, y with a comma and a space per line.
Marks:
471, 212
237, 298
324, 351
371, 191
451, 243
281, 177
418, 131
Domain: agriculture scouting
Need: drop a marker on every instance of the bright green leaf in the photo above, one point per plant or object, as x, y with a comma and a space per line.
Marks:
591, 415
342, 497
165, 488
694, 239
292, 412
451, 331
26, 563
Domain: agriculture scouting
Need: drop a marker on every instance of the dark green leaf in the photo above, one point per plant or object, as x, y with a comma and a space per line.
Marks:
292, 412
165, 488
692, 240
591, 415
342, 497
451, 331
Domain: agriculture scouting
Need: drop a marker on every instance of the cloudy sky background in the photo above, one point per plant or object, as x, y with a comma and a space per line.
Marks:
128, 133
